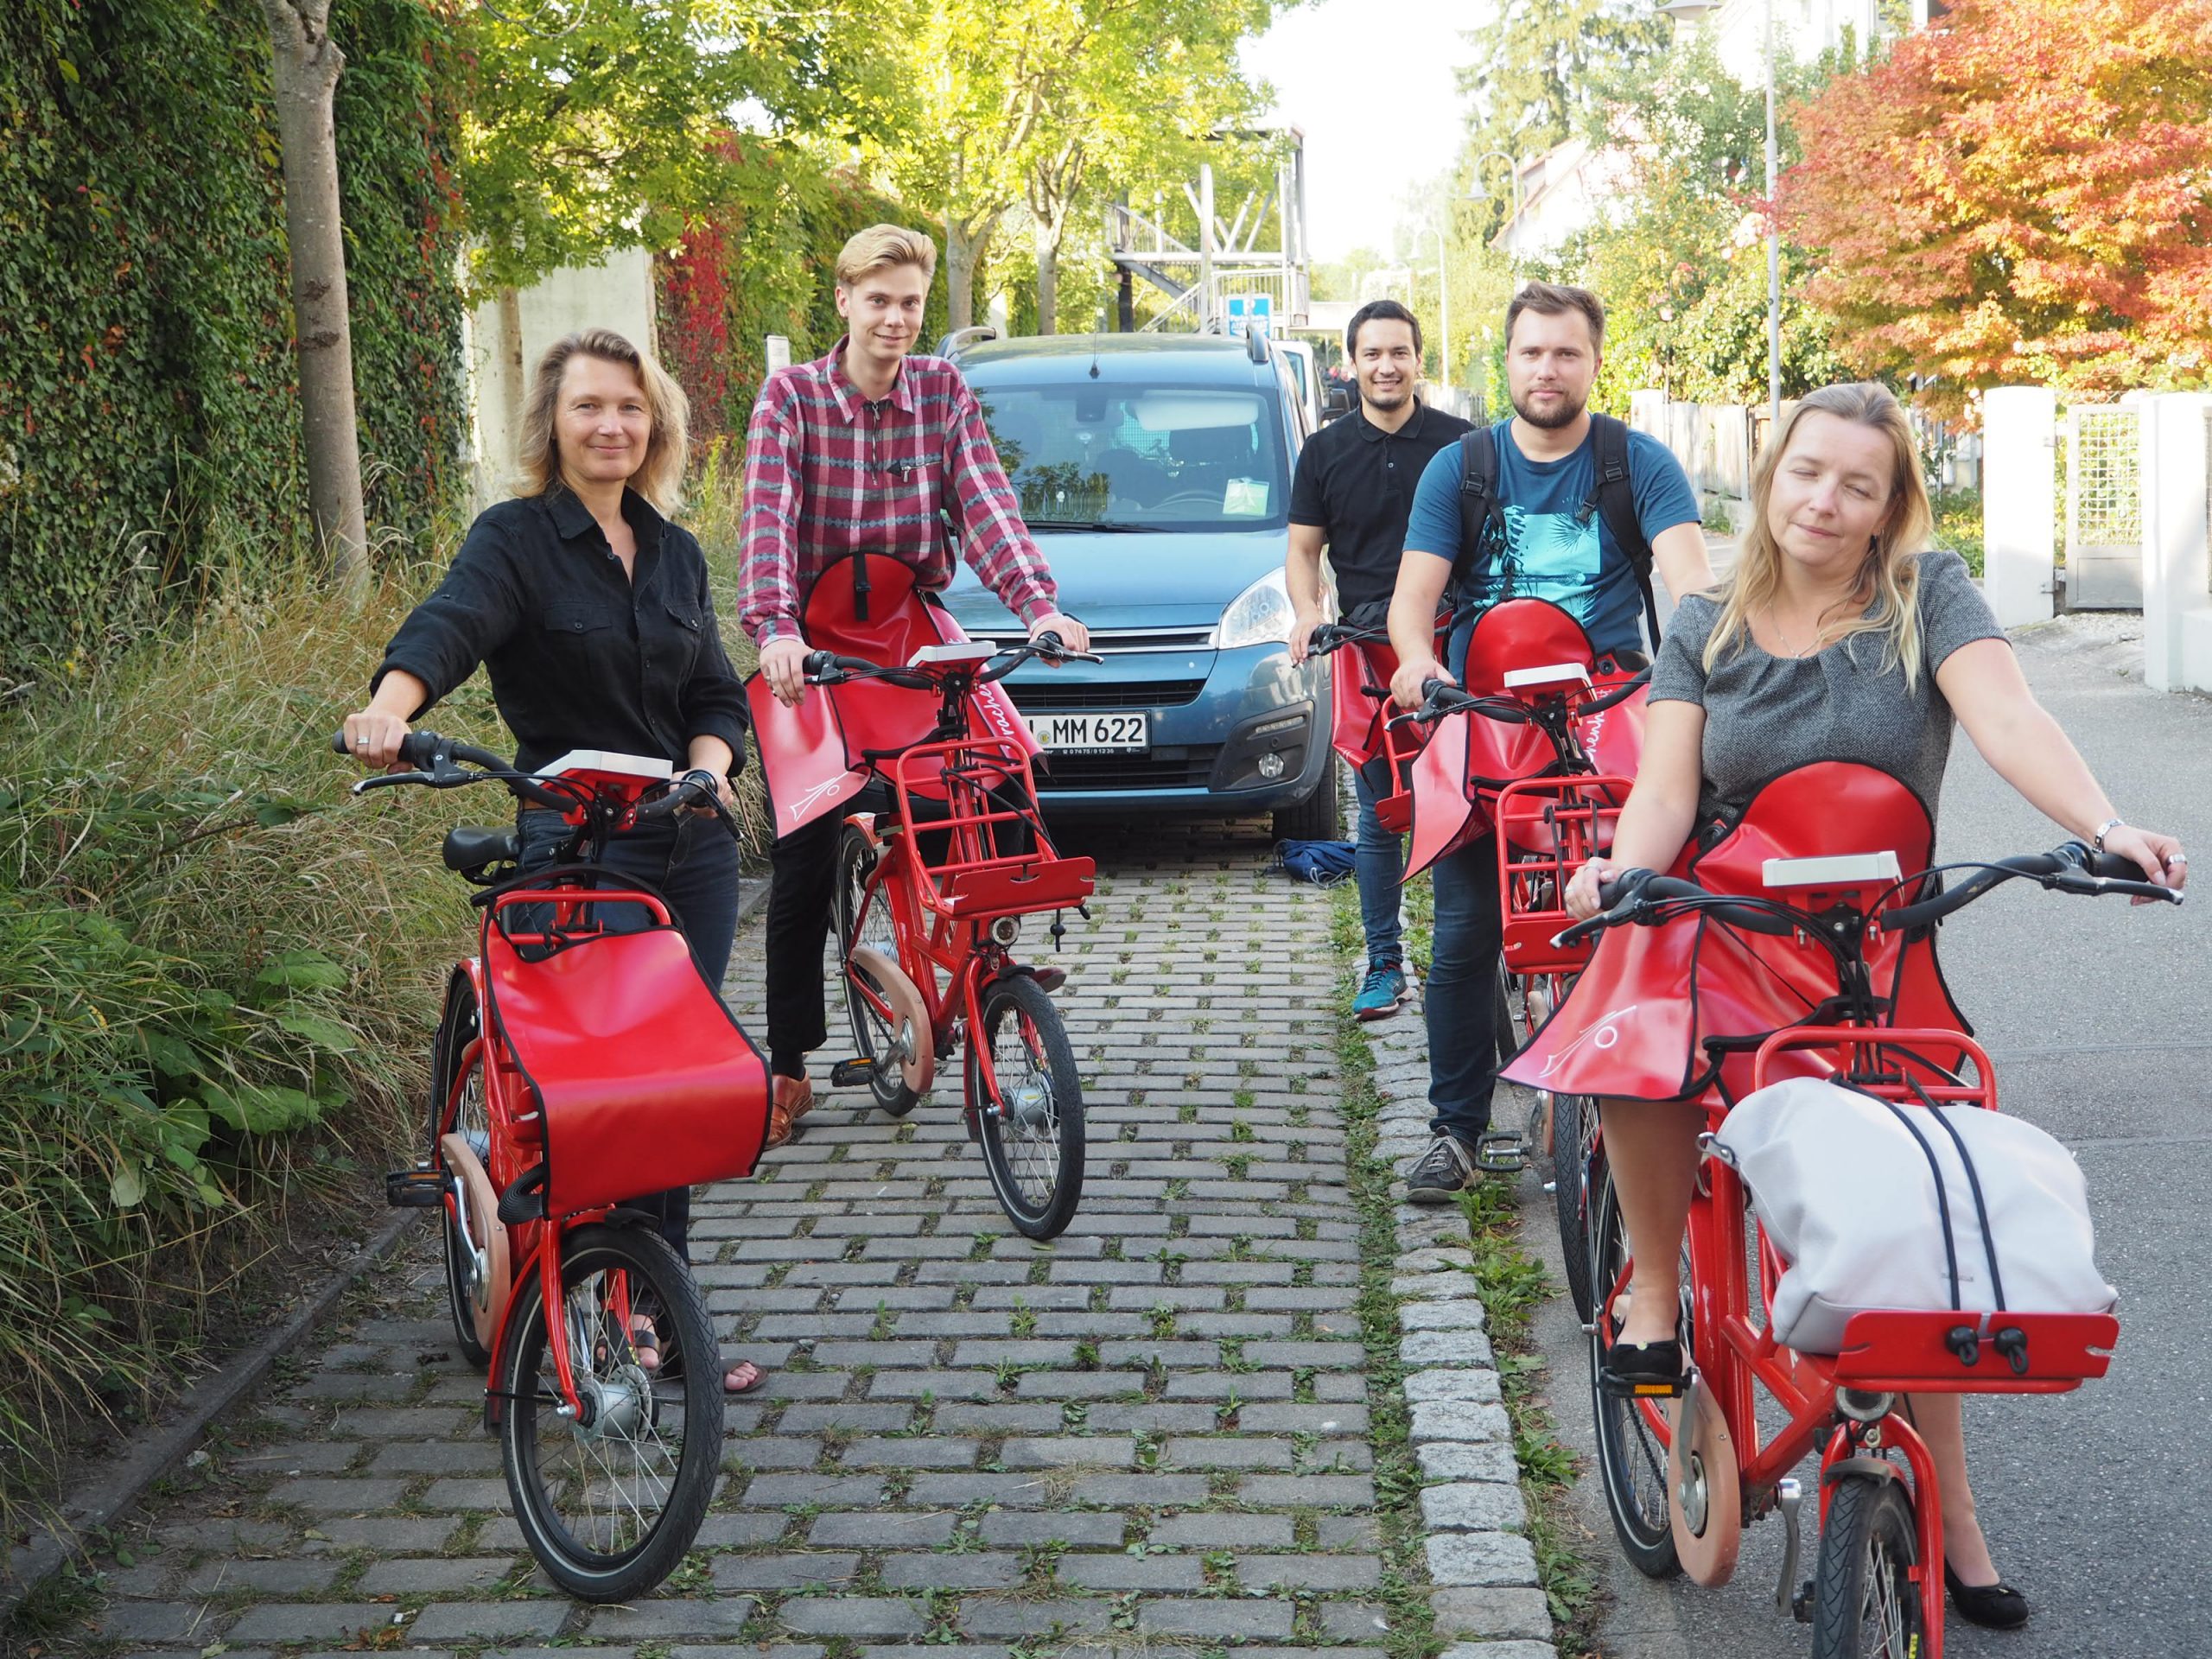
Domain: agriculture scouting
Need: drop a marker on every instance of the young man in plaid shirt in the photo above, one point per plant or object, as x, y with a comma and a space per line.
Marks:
858, 451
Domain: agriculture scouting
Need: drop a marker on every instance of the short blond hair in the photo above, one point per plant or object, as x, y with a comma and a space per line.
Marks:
660, 479
882, 245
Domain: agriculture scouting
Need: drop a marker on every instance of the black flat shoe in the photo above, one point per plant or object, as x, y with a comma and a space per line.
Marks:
1643, 1370
1995, 1606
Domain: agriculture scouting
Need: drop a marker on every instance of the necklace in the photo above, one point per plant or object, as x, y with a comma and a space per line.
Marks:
1774, 621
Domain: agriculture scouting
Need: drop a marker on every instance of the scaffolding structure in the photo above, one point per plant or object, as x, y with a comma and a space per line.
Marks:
1230, 259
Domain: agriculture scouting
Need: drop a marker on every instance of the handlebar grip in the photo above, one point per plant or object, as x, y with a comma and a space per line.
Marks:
817, 662
418, 748
1050, 643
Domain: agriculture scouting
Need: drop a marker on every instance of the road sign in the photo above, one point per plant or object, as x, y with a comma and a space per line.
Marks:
1249, 312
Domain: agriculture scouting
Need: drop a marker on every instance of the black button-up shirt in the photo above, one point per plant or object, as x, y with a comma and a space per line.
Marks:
581, 656
1355, 482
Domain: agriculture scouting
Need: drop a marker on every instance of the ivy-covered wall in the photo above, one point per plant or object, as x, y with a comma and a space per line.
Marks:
148, 408
767, 265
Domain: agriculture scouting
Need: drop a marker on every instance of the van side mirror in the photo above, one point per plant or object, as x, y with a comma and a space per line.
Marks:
1336, 400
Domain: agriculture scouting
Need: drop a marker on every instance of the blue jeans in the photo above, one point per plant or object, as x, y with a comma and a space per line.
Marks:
692, 862
1375, 866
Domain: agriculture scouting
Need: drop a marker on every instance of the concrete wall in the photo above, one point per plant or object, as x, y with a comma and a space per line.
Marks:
2176, 437
504, 342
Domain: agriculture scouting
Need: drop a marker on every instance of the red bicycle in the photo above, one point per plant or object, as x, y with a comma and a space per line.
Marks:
1683, 1468
928, 907
1549, 772
581, 1063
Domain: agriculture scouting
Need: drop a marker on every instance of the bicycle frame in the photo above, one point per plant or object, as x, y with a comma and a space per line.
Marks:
943, 912
1884, 1352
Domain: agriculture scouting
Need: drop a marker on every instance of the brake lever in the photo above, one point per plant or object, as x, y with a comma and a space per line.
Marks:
385, 780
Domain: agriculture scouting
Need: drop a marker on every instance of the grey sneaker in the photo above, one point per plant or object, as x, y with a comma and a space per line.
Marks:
1444, 1171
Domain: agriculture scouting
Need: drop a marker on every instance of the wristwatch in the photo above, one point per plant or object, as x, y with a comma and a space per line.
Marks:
2097, 841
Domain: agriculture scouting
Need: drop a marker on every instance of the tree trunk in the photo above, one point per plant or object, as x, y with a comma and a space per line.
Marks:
512, 392
1048, 279
959, 275
307, 65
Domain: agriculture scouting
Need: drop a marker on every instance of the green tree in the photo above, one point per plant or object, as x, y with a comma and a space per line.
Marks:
1537, 67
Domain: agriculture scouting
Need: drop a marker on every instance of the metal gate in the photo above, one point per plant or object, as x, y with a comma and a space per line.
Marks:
2104, 508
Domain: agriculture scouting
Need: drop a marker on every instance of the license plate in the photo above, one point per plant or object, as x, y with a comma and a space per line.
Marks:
1091, 733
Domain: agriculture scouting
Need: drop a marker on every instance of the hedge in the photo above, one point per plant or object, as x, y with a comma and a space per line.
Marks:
149, 404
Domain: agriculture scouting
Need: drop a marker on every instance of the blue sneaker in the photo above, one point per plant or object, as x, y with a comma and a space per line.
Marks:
1381, 992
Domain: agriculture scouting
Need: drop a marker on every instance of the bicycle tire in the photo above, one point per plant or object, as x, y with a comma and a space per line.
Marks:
1868, 1547
1631, 1458
456, 1030
1574, 1157
1047, 1108
1506, 1032
634, 1416
855, 860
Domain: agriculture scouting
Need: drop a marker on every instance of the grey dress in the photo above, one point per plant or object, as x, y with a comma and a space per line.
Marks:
1766, 715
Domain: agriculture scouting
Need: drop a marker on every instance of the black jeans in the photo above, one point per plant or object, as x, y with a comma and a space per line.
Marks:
692, 861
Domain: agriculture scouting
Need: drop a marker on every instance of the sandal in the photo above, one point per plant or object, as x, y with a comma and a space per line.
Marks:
645, 1347
759, 1378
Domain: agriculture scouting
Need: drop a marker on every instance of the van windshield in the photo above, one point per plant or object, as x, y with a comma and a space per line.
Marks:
1140, 458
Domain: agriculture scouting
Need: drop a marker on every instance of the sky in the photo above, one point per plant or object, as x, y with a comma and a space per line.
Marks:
1372, 84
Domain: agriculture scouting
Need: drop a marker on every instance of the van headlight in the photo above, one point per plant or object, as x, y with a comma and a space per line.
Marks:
1261, 615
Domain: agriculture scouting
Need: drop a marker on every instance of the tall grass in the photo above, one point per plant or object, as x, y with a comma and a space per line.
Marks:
216, 973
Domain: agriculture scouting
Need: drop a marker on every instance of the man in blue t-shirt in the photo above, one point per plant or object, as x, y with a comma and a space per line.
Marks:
1555, 546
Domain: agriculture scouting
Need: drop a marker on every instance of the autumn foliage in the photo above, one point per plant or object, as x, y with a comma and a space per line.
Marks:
2022, 193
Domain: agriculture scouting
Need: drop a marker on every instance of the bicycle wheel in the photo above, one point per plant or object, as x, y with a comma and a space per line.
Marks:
1034, 1146
1864, 1603
1631, 1453
609, 1501
469, 1119
1574, 1155
873, 1039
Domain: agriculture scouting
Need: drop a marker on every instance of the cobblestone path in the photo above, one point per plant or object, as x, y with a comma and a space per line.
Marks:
1153, 1431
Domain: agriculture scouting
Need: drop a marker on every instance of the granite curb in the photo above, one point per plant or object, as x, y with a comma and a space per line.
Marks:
1487, 1598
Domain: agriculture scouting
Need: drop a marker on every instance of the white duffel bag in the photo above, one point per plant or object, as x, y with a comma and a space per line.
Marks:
1855, 1192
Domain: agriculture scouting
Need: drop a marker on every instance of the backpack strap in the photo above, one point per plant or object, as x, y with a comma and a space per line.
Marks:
1482, 515
1614, 498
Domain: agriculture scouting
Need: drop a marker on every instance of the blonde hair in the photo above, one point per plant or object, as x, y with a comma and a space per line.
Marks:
660, 479
1886, 600
881, 246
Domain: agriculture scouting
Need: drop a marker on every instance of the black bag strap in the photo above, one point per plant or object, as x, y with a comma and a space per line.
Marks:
1613, 498
1482, 515
1942, 1200
1974, 1184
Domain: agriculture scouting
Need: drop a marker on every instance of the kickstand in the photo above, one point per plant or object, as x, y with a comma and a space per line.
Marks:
1501, 1151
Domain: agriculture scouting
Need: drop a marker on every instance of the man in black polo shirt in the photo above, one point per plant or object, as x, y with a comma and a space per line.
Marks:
1352, 492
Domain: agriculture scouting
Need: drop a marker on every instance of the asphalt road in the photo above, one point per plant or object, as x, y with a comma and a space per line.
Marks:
2099, 1017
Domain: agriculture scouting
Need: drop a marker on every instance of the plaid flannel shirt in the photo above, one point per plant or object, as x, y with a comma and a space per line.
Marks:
829, 473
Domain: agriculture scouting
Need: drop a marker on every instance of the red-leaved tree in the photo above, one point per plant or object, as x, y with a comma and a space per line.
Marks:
2022, 193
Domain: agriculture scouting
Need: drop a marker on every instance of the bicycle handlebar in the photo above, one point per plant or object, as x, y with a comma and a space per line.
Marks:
827, 668
1636, 895
437, 762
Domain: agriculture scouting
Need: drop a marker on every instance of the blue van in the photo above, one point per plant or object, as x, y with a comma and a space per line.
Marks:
1154, 471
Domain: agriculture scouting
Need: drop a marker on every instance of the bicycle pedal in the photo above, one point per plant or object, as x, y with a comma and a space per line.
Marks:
417, 1189
1801, 1604
1622, 1388
1501, 1151
852, 1074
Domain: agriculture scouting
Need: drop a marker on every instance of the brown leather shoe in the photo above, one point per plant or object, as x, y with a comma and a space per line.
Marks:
793, 1099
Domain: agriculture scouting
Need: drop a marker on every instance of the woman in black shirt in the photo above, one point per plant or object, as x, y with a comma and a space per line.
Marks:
591, 612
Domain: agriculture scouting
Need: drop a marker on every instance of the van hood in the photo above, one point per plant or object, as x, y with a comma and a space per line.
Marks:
1142, 580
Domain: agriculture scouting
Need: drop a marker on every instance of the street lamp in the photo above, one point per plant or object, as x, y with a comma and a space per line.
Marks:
1689, 12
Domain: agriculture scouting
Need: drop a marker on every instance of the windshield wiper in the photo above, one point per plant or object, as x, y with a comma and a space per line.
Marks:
1103, 525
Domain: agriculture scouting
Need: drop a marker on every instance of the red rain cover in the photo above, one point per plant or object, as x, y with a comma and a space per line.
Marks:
1358, 718
644, 1080
1635, 1024
809, 755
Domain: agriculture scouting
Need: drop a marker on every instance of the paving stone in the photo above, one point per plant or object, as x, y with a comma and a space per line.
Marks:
1459, 1419
1075, 1528
1069, 1451
1331, 1420
1496, 1614
924, 1452
1352, 1621
1228, 1452
989, 1617
762, 1453
1308, 1492
1353, 1532
855, 1414
1152, 1491
1120, 1572
301, 1458
1480, 1557
1452, 1384
319, 1494
1223, 1620
1454, 1460
176, 1621
943, 1571
881, 1529
1473, 1506
1445, 1348
485, 1494
763, 1491
436, 1457
662, 1617
1500, 1650
852, 1616
291, 1621
738, 1531
1463, 1315
279, 1578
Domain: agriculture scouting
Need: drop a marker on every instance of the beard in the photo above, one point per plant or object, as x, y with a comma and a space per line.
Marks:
1387, 399
1565, 415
